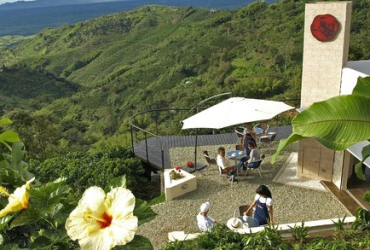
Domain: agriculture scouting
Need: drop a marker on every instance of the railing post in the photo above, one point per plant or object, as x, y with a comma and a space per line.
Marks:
196, 142
132, 140
162, 159
195, 151
146, 148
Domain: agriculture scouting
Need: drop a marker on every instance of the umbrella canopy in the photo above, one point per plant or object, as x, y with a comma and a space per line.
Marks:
235, 110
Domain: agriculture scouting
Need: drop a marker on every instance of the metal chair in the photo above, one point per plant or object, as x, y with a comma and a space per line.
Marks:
261, 128
209, 160
256, 165
267, 139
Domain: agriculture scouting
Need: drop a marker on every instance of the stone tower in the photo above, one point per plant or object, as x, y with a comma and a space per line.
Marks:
325, 53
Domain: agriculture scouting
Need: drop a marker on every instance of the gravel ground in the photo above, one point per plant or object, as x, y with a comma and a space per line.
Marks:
291, 204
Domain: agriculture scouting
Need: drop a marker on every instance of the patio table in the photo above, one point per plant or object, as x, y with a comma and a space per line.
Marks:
236, 155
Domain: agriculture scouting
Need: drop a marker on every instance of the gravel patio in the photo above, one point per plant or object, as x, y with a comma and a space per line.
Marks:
291, 203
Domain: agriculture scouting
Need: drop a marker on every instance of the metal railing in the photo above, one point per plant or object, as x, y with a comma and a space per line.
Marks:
148, 134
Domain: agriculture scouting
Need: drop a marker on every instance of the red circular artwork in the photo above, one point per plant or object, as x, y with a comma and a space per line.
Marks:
324, 27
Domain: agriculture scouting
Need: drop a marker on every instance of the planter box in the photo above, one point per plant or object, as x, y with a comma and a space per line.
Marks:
179, 187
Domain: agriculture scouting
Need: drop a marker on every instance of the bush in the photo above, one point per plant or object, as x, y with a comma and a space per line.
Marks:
83, 170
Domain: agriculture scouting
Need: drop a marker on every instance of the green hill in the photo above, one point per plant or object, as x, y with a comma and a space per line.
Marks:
138, 60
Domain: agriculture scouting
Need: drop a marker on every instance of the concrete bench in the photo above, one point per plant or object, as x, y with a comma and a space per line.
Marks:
318, 227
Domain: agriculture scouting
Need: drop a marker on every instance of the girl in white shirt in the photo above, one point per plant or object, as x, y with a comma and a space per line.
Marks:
263, 203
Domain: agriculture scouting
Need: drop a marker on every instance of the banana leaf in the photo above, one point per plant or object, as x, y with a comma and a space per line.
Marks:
337, 123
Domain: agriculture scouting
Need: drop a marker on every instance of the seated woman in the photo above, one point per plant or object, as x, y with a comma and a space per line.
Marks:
254, 156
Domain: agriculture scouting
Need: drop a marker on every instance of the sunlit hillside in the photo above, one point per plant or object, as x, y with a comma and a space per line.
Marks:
138, 60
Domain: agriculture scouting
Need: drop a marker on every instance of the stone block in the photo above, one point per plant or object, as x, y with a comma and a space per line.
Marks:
179, 187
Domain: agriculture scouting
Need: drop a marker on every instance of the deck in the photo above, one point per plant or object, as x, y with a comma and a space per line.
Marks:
150, 151
352, 198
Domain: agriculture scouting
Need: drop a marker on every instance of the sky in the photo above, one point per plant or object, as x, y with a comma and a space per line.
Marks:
86, 1
11, 1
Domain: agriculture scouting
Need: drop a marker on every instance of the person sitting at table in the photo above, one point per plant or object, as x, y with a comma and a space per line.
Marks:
249, 134
226, 165
205, 223
254, 157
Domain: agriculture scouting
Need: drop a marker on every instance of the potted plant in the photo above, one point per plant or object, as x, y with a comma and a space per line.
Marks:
176, 173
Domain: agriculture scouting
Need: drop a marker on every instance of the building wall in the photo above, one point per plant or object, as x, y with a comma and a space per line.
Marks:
338, 168
314, 160
321, 80
323, 61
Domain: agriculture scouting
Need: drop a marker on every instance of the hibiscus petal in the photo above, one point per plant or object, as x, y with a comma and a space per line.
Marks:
76, 225
101, 240
93, 198
124, 230
120, 200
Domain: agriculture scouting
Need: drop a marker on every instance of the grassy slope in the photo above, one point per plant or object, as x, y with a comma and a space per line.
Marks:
133, 61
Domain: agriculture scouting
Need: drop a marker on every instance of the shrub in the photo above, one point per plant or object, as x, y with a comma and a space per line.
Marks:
83, 170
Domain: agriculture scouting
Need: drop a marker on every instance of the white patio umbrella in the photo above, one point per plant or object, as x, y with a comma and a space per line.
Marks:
235, 110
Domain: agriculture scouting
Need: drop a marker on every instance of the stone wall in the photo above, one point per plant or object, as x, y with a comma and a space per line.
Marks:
323, 61
314, 160
321, 79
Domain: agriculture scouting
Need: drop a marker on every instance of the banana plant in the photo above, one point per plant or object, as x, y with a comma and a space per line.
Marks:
8, 136
337, 123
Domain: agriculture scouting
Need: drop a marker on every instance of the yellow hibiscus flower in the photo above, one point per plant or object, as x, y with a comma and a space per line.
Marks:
101, 221
17, 200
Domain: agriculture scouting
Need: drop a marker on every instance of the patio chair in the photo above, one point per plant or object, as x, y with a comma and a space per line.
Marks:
261, 128
225, 175
267, 139
244, 208
209, 160
256, 165
239, 147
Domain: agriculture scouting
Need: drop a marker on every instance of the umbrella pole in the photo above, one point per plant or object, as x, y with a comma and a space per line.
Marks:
195, 150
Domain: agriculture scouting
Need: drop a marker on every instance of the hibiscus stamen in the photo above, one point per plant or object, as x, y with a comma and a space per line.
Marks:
104, 221
107, 220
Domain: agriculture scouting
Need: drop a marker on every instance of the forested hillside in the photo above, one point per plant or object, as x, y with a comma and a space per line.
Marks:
160, 57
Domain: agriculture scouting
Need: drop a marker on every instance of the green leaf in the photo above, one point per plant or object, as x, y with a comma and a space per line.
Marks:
10, 247
139, 242
143, 211
362, 87
358, 168
367, 197
4, 221
117, 182
26, 217
55, 209
41, 242
18, 153
9, 136
337, 123
4, 121
283, 144
359, 172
